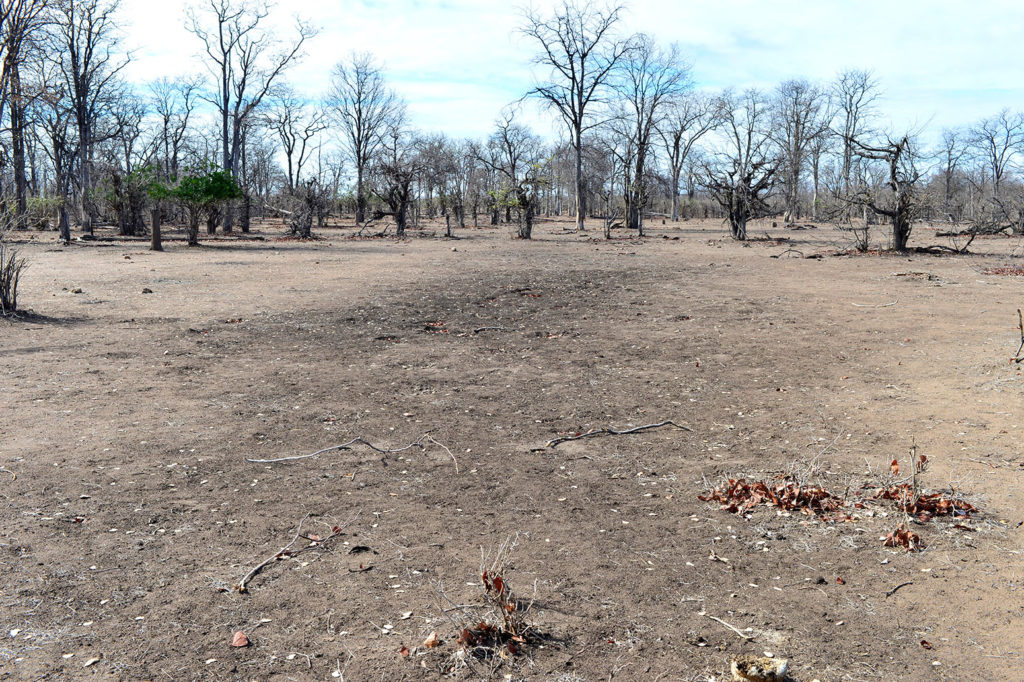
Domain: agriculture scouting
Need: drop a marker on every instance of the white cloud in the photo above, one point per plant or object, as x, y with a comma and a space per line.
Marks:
458, 62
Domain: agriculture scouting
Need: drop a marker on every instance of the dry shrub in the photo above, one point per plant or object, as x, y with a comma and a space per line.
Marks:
11, 267
739, 495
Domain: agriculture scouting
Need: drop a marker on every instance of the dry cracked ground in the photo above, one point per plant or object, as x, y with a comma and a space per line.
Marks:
129, 512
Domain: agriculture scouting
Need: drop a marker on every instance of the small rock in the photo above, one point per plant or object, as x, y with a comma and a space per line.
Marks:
240, 640
76, 290
147, 290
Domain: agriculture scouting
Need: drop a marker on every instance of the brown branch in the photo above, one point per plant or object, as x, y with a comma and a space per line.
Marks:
343, 446
287, 551
612, 432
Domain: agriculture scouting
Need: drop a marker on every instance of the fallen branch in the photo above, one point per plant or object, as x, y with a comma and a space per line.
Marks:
731, 627
287, 550
343, 446
882, 305
486, 329
431, 439
893, 590
612, 432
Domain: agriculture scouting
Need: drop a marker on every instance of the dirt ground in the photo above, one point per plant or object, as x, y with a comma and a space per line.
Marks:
129, 512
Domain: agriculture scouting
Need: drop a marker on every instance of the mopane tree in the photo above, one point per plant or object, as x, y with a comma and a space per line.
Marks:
363, 106
741, 173
650, 79
245, 60
689, 117
579, 47
801, 116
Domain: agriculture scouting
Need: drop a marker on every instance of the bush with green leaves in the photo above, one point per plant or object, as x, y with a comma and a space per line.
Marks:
201, 190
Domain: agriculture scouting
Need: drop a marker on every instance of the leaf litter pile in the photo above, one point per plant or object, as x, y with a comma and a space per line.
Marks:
740, 496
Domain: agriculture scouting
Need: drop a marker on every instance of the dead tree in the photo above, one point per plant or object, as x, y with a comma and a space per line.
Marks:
579, 47
743, 172
998, 140
244, 64
854, 93
650, 79
689, 118
361, 104
900, 204
296, 127
85, 42
802, 115
514, 154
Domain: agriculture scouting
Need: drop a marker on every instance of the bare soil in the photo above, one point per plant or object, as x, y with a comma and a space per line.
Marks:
128, 511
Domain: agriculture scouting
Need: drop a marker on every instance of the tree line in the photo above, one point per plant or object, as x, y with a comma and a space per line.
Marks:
80, 145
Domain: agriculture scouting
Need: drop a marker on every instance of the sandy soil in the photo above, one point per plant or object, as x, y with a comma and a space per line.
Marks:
128, 511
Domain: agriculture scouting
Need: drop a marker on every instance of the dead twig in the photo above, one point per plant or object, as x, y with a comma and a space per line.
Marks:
893, 590
343, 446
287, 550
731, 627
486, 329
882, 305
613, 432
14, 476
454, 461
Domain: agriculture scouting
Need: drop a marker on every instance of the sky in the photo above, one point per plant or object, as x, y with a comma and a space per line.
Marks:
458, 62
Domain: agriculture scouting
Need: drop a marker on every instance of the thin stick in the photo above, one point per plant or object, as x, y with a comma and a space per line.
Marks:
287, 549
343, 446
431, 439
485, 329
893, 590
883, 305
731, 627
612, 432
248, 576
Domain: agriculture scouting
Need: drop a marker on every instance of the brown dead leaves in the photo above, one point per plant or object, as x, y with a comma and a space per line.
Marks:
925, 507
739, 496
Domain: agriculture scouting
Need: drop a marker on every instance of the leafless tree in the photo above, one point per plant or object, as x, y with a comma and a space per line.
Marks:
173, 101
854, 93
743, 170
246, 61
362, 105
395, 170
953, 147
998, 140
690, 117
296, 126
579, 47
85, 43
651, 78
20, 21
900, 203
515, 153
802, 115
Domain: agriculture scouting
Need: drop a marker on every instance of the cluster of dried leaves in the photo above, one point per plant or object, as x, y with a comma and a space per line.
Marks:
740, 496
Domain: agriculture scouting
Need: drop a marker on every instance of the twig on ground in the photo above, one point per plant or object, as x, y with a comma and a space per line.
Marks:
612, 432
893, 590
731, 627
343, 446
485, 329
14, 476
454, 461
287, 549
881, 305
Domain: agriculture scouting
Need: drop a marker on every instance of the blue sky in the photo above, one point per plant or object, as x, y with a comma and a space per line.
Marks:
458, 62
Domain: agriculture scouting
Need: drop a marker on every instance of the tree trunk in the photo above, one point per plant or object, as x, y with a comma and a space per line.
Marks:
17, 119
246, 219
155, 240
63, 223
193, 228
579, 178
360, 196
